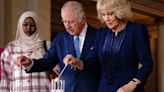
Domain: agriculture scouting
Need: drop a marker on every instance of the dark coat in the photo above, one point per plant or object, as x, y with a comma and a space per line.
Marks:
135, 49
76, 81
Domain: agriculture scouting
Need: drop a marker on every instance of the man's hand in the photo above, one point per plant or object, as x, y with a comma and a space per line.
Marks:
23, 61
71, 60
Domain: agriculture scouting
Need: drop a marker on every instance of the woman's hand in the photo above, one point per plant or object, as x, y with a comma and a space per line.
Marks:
130, 87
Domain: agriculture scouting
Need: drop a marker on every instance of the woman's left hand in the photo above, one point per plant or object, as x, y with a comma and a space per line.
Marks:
130, 87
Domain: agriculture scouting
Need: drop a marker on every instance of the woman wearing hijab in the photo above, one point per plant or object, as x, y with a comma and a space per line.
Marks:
29, 43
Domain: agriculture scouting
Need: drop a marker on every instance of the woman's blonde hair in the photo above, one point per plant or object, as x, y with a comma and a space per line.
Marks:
122, 8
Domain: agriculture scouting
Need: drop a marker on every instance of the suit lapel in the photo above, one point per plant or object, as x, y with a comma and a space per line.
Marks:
87, 43
69, 41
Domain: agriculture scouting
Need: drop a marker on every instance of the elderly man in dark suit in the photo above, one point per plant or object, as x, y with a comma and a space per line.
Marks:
77, 40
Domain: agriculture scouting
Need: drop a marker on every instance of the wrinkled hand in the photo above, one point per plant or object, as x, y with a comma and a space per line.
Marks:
130, 87
71, 60
23, 61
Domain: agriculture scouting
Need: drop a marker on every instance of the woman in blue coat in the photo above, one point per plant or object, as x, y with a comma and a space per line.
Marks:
120, 47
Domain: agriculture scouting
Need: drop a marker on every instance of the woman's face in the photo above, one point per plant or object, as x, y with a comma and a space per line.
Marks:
29, 26
110, 18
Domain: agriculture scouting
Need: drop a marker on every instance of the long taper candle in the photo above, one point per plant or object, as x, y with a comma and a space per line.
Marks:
62, 71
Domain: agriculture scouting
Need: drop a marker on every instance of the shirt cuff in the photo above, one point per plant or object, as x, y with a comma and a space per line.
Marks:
30, 66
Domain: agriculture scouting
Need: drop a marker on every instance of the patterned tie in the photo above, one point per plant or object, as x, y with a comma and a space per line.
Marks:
76, 47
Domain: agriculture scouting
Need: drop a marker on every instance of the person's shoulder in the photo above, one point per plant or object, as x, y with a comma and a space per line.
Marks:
92, 28
10, 44
103, 29
60, 36
48, 43
9, 47
138, 28
137, 25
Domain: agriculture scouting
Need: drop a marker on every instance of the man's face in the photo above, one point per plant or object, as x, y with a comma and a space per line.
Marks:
72, 25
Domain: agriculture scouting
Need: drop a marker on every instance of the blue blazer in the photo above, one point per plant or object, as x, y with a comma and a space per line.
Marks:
135, 49
76, 80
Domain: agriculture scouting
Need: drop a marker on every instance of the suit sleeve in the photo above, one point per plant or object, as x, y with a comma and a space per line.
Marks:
142, 45
48, 62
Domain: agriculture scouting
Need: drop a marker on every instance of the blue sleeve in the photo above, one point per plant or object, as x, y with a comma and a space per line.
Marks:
48, 62
142, 45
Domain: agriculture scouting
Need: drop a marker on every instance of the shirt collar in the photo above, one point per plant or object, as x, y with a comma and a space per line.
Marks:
83, 33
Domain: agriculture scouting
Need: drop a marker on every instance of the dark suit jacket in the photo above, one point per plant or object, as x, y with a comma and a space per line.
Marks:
135, 49
76, 81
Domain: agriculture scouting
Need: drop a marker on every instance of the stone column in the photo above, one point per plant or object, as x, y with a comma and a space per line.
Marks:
43, 10
1, 23
10, 11
161, 57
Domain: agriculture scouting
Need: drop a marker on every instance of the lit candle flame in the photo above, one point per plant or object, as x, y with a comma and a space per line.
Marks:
56, 79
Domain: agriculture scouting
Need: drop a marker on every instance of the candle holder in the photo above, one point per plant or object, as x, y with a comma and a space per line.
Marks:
57, 85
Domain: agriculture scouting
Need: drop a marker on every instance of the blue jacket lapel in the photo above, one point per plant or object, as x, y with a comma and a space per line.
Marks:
69, 44
89, 40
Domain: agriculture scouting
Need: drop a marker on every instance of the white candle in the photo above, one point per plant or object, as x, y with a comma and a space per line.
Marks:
63, 85
57, 85
52, 85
